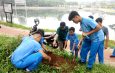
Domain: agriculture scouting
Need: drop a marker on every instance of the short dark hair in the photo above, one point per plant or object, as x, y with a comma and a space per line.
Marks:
72, 15
91, 17
99, 20
72, 28
62, 24
39, 31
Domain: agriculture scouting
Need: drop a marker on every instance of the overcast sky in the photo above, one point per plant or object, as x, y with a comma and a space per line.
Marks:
85, 0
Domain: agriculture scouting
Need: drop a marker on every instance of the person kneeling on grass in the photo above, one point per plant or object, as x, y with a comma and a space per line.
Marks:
42, 39
29, 53
73, 38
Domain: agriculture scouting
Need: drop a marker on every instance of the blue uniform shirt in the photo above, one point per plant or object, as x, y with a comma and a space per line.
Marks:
26, 48
73, 39
42, 40
87, 25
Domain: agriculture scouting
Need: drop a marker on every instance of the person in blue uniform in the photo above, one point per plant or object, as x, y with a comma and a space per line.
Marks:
91, 31
29, 54
106, 35
73, 38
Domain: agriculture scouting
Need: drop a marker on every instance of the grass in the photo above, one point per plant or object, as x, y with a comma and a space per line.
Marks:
21, 26
14, 25
8, 45
111, 43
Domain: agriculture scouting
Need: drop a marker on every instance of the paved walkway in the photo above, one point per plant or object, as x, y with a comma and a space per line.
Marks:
10, 31
108, 60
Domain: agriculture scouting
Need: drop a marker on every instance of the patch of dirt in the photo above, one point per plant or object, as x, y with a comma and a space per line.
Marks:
59, 61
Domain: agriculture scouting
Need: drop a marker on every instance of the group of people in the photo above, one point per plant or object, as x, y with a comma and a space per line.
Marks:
93, 34
31, 50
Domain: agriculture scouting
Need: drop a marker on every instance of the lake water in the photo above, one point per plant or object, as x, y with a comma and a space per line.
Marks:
51, 18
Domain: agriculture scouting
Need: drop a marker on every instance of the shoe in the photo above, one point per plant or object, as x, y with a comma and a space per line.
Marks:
89, 69
112, 56
27, 70
81, 62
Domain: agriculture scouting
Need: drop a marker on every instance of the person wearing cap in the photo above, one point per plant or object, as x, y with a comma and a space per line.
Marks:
72, 37
93, 32
29, 54
60, 36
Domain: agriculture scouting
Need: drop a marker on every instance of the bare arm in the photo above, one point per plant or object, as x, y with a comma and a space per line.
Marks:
65, 44
49, 36
98, 27
106, 41
80, 42
45, 56
44, 47
55, 38
73, 47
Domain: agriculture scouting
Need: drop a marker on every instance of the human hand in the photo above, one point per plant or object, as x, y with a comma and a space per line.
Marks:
79, 46
49, 58
105, 47
84, 34
54, 43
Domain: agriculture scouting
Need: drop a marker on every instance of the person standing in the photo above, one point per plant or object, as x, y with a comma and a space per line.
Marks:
92, 31
106, 34
105, 31
60, 36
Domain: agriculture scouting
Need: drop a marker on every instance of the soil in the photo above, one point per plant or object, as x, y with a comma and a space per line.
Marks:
58, 61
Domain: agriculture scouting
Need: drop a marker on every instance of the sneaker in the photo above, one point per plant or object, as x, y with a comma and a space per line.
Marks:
89, 69
81, 62
28, 70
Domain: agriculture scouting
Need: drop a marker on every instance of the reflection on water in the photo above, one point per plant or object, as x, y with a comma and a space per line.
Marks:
50, 18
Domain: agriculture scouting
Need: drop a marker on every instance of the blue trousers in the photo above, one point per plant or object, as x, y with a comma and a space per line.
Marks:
94, 48
31, 62
75, 50
85, 49
113, 54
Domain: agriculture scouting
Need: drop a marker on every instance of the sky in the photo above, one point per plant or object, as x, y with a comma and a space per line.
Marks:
86, 0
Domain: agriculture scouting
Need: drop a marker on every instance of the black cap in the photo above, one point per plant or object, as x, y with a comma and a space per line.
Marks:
99, 20
72, 15
91, 17
62, 24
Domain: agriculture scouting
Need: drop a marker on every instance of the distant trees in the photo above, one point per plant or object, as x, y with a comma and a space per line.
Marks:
37, 2
51, 3
45, 3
